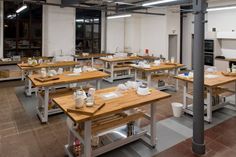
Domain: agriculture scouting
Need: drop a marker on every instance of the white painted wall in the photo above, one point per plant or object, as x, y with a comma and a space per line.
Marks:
144, 32
58, 30
115, 35
1, 29
154, 34
223, 21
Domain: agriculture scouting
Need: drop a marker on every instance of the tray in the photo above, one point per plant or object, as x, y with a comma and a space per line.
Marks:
171, 64
29, 65
87, 110
46, 79
229, 74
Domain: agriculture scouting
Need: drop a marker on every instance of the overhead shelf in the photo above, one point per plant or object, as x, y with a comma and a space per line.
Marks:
226, 35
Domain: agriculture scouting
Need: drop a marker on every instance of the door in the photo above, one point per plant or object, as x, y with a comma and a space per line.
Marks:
173, 46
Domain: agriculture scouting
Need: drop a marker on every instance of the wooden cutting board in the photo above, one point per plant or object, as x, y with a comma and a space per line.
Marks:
229, 74
46, 79
86, 110
29, 65
171, 64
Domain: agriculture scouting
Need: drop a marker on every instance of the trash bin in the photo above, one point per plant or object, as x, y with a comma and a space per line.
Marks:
177, 109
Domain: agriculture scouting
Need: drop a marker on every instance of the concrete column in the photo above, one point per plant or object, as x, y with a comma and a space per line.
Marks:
104, 32
198, 145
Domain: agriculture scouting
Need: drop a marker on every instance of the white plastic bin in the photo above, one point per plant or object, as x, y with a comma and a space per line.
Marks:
177, 109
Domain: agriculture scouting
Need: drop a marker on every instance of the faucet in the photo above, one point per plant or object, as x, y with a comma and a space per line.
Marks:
117, 48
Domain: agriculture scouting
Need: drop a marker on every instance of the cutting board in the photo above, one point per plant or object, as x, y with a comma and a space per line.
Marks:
87, 110
29, 65
175, 64
229, 74
46, 79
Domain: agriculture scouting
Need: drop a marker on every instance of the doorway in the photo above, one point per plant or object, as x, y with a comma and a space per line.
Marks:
173, 46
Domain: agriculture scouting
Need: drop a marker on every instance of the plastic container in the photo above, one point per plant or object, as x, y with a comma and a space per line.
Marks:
177, 109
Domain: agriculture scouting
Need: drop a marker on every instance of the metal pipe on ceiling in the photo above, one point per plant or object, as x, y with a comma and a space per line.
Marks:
92, 8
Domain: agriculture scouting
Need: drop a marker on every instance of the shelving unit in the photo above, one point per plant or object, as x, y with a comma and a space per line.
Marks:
9, 71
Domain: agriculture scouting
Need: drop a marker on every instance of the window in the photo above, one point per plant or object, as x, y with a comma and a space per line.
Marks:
88, 31
23, 31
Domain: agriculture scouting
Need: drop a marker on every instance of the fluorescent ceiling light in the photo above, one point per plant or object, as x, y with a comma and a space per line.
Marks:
11, 16
158, 2
118, 16
21, 8
123, 3
221, 8
79, 20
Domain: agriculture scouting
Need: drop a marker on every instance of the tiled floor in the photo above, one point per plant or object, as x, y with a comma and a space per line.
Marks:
21, 133
220, 142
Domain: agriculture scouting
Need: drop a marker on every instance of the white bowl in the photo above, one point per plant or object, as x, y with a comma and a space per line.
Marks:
143, 91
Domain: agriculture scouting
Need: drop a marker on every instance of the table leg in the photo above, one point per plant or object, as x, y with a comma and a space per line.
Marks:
92, 60
135, 74
176, 80
185, 95
149, 79
29, 84
153, 130
112, 72
98, 84
46, 98
22, 75
87, 139
209, 105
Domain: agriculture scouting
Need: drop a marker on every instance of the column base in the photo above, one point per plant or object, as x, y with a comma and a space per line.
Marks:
199, 149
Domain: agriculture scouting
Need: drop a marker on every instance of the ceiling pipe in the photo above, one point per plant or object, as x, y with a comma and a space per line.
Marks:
91, 8
139, 5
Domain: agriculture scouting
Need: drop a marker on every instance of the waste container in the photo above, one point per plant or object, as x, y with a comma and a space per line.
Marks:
177, 109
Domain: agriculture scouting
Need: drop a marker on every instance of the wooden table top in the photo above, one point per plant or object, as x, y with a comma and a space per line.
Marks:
157, 68
48, 65
121, 59
92, 55
149, 57
66, 79
128, 100
212, 82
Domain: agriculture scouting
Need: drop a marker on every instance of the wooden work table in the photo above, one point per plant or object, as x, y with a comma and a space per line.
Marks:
91, 56
156, 69
28, 70
48, 65
210, 82
215, 94
118, 67
121, 59
127, 100
64, 80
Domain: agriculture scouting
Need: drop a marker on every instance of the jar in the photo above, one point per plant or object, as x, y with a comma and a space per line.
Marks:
79, 99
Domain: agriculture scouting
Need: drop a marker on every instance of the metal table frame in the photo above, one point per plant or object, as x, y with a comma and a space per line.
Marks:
148, 74
150, 139
208, 101
43, 115
28, 84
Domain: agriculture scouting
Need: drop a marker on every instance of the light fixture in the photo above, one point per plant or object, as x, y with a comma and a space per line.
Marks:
221, 8
157, 2
21, 8
11, 16
79, 20
119, 16
123, 3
